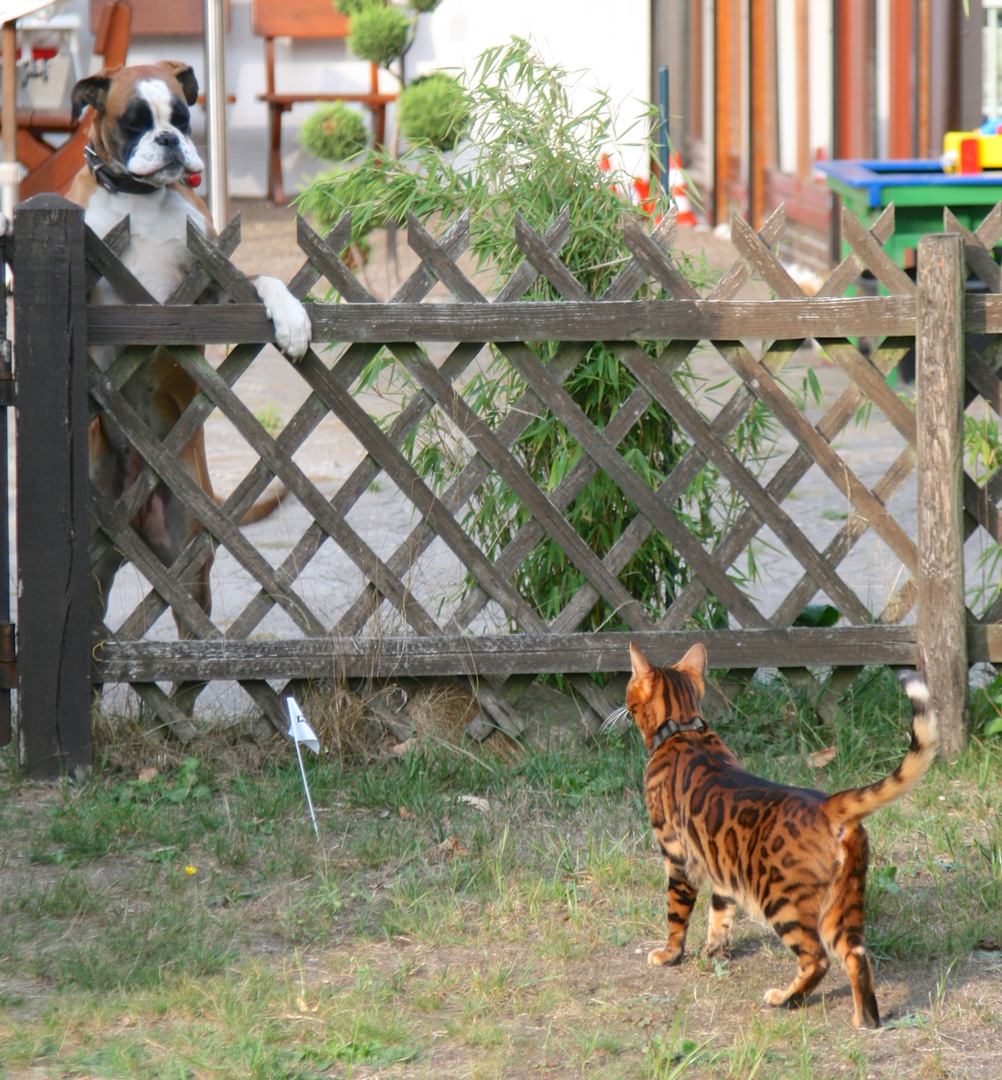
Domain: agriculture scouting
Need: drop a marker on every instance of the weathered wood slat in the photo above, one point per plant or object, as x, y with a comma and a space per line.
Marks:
198, 278
983, 313
767, 509
763, 260
977, 256
116, 239
785, 480
845, 539
409, 481
439, 262
873, 256
233, 281
315, 658
650, 255
989, 232
345, 371
177, 478
849, 269
660, 516
486, 443
845, 480
873, 383
984, 380
114, 271
546, 262
939, 366
502, 654
286, 469
559, 320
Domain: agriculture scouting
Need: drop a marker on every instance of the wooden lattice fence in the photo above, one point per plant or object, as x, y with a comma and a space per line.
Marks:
57, 261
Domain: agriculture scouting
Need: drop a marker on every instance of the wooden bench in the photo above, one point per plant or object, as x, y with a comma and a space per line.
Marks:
305, 19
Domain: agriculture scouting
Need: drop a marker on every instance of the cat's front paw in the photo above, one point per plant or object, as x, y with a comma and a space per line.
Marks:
661, 957
775, 997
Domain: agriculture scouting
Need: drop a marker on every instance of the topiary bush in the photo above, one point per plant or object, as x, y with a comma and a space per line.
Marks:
434, 109
334, 132
353, 7
380, 34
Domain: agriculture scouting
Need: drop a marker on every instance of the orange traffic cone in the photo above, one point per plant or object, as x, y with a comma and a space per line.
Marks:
679, 194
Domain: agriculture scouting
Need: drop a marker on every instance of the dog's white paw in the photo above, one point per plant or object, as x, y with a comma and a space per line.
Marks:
292, 323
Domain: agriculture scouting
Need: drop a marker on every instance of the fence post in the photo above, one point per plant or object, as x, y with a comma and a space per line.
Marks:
939, 347
52, 487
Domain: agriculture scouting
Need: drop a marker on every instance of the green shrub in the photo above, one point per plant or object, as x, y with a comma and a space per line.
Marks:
334, 132
532, 152
434, 109
379, 33
422, 7
353, 7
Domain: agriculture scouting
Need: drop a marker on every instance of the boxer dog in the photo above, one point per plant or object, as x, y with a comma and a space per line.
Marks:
141, 163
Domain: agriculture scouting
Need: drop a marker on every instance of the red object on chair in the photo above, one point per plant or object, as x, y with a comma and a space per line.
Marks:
53, 168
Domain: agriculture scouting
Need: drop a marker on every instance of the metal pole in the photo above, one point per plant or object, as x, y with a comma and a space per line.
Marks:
215, 109
10, 170
663, 136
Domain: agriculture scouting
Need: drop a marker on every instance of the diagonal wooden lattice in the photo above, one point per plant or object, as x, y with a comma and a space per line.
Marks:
615, 318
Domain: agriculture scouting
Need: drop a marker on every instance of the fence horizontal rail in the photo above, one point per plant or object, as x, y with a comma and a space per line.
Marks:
504, 655
563, 320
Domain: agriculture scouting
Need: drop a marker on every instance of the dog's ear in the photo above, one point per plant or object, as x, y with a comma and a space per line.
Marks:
185, 76
92, 92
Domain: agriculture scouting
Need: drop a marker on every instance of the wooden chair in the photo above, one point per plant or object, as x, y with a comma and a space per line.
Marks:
305, 19
53, 168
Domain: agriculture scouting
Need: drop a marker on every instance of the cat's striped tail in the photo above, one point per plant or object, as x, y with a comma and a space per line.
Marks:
858, 803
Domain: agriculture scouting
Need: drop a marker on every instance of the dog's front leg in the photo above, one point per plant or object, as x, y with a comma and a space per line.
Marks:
292, 323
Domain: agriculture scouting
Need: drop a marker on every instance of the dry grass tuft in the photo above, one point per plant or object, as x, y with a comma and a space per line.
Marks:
128, 742
351, 725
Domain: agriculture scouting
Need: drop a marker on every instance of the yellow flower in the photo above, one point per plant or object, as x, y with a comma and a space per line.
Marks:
189, 870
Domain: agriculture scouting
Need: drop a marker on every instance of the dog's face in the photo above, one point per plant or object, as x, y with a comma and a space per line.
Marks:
141, 124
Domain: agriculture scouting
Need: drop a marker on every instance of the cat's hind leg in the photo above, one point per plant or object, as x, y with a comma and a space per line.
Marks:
842, 926
812, 962
681, 899
720, 923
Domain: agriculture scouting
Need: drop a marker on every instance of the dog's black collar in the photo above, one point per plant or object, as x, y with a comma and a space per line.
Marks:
115, 182
672, 727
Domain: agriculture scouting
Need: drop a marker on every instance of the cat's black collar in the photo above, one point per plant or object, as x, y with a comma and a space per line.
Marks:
115, 182
672, 727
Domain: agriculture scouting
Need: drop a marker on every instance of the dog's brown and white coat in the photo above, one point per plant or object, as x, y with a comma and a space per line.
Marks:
141, 163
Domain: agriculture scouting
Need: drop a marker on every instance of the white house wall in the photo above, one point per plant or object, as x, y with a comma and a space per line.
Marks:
820, 46
610, 46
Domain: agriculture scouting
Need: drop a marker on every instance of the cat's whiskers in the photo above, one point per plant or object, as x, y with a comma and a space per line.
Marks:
614, 718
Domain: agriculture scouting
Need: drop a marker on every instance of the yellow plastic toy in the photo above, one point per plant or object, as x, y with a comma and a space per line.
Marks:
973, 151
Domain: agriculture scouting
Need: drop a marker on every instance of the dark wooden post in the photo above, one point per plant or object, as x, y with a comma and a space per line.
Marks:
942, 624
52, 487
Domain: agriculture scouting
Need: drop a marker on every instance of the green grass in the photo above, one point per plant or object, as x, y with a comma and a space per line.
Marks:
190, 924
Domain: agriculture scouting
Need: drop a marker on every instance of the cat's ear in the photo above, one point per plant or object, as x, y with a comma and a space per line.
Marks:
693, 663
641, 665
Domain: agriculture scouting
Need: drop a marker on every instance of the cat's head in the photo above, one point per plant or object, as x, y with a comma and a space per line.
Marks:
655, 695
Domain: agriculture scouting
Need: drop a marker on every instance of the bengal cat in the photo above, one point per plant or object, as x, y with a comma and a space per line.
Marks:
793, 856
